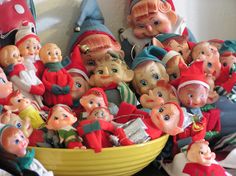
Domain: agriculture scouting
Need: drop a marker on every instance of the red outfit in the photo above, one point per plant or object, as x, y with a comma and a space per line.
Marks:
195, 169
96, 133
60, 78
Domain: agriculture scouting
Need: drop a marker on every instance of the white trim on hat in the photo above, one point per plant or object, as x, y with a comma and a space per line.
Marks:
75, 70
169, 55
193, 82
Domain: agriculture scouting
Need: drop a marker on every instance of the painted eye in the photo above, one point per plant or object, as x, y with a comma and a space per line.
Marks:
190, 95
202, 52
209, 64
159, 94
100, 72
17, 141
35, 47
91, 62
96, 114
91, 102
141, 26
155, 76
56, 118
143, 82
173, 75
77, 85
18, 125
224, 64
102, 114
22, 136
99, 104
156, 23
181, 52
166, 117
18, 100
49, 53
161, 110
27, 47
114, 70
64, 115
201, 152
2, 81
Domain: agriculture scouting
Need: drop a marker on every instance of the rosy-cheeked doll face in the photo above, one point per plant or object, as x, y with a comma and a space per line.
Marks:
228, 59
10, 55
166, 118
201, 153
98, 45
91, 101
193, 95
60, 118
110, 72
150, 18
5, 85
209, 54
172, 67
50, 53
29, 47
152, 99
100, 113
80, 86
147, 75
213, 96
14, 141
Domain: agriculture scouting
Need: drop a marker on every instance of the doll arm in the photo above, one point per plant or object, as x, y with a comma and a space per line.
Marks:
54, 88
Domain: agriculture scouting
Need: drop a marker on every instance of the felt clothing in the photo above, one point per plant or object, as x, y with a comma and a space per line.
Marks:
195, 169
96, 133
35, 118
62, 80
26, 81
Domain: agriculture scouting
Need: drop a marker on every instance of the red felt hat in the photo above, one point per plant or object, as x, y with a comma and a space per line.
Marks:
194, 74
99, 92
76, 64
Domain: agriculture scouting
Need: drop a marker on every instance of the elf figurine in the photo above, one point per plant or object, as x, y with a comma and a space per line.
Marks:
147, 19
197, 160
148, 69
14, 12
91, 35
16, 102
5, 89
14, 143
79, 75
29, 45
97, 129
57, 81
24, 80
61, 118
112, 74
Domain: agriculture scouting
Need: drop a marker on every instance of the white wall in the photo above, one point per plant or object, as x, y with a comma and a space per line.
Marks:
206, 18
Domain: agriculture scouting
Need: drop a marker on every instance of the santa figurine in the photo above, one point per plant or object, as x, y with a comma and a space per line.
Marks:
91, 35
57, 81
24, 80
29, 45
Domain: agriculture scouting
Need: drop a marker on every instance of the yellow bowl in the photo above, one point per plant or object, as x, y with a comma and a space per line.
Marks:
114, 161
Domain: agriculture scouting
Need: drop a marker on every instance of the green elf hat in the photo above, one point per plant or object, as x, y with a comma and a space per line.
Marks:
164, 37
228, 46
150, 53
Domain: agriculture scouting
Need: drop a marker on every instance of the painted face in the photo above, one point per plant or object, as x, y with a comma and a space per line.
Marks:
193, 95
147, 76
19, 102
50, 53
14, 141
153, 99
166, 118
201, 153
5, 85
100, 113
98, 45
10, 55
29, 47
213, 96
92, 101
110, 72
172, 67
60, 118
210, 56
182, 48
228, 59
80, 86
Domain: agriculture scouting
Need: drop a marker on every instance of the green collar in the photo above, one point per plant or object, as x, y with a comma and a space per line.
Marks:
54, 66
25, 162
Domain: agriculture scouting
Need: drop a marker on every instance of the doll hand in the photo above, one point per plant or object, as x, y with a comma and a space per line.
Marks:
66, 89
56, 89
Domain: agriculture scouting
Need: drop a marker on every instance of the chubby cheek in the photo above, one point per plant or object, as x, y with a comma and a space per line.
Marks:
139, 33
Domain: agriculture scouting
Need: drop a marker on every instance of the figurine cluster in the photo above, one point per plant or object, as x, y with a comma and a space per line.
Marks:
157, 80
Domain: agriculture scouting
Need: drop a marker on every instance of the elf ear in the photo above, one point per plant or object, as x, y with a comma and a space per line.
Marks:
5, 117
172, 17
157, 43
128, 76
11, 108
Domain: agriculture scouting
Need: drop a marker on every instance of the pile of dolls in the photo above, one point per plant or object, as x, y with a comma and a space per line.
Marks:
107, 93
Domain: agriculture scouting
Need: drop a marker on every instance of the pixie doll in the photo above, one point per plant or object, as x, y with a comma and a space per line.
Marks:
18, 103
147, 19
148, 69
112, 74
57, 81
61, 118
24, 80
29, 45
91, 35
14, 142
